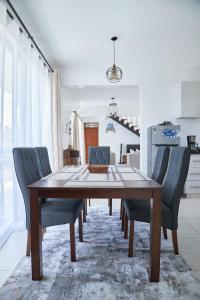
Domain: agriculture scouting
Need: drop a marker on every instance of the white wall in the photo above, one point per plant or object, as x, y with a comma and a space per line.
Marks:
159, 103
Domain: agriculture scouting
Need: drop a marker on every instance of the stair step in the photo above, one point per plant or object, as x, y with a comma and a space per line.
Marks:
125, 123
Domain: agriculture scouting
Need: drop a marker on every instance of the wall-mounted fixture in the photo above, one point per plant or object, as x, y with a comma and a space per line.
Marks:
68, 130
110, 127
114, 73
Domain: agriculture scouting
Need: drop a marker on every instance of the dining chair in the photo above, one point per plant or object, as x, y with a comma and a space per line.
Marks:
43, 161
45, 168
159, 171
170, 198
100, 155
53, 211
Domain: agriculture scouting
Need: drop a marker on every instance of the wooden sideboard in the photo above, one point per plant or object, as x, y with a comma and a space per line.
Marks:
70, 157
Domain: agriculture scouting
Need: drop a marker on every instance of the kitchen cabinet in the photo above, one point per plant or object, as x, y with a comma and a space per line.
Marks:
192, 184
188, 99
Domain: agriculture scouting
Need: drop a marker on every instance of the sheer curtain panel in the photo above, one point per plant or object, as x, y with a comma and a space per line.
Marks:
25, 112
56, 121
78, 138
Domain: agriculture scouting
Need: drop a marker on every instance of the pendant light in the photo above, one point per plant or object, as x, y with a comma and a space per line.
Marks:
114, 73
112, 108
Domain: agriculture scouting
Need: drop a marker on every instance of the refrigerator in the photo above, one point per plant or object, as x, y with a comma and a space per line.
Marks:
160, 135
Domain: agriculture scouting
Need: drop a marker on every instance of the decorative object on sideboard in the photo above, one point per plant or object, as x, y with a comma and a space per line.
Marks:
70, 156
114, 73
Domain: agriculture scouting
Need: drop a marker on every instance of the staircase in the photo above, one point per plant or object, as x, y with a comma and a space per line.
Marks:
126, 122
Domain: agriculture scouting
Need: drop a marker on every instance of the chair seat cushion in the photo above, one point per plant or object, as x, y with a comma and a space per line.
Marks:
139, 210
57, 211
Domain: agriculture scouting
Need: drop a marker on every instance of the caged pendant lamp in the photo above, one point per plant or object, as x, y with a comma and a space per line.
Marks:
114, 73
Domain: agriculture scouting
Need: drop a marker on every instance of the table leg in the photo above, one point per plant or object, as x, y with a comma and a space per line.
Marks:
36, 243
155, 231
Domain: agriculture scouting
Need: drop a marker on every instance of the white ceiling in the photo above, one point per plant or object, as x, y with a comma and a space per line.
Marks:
75, 34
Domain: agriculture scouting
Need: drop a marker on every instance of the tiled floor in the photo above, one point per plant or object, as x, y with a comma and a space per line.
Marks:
188, 237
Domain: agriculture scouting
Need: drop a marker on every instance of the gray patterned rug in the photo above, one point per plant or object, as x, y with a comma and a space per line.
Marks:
103, 270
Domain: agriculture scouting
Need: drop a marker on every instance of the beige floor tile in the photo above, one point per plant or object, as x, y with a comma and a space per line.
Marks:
189, 244
192, 262
3, 276
19, 234
187, 231
11, 253
196, 274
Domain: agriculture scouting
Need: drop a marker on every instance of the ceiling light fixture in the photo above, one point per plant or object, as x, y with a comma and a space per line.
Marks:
112, 109
114, 73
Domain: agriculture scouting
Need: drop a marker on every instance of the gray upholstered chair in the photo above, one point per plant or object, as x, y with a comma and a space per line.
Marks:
43, 161
100, 155
45, 168
161, 164
53, 211
159, 171
171, 193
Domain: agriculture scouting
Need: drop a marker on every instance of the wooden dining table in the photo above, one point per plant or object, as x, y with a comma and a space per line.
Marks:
121, 181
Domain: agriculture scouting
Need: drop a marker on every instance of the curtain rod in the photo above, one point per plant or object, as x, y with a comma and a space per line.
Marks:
28, 33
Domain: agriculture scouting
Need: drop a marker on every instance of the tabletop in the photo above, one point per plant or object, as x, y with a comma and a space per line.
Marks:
118, 177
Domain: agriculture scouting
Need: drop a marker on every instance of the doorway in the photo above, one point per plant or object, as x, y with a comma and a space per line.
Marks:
91, 133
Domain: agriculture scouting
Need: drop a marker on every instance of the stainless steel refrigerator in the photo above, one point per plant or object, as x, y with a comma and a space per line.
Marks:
160, 135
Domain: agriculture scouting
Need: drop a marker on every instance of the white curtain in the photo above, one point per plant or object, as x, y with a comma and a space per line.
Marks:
25, 112
78, 139
56, 121
75, 132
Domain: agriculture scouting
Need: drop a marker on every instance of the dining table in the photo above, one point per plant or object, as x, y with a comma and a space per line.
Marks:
120, 181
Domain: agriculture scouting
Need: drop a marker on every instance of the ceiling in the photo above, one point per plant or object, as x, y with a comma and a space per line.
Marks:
76, 34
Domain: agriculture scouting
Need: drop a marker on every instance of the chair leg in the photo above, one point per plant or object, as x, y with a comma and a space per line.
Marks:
164, 232
125, 226
72, 242
80, 227
28, 246
121, 205
131, 238
110, 207
122, 228
175, 241
84, 211
86, 207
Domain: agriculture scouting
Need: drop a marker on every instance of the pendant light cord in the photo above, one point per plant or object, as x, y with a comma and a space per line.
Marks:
114, 51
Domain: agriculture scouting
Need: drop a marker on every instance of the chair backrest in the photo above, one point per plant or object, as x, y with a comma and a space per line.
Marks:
161, 164
27, 172
99, 155
43, 161
175, 179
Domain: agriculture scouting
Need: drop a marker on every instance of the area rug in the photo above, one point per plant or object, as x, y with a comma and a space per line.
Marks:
103, 270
